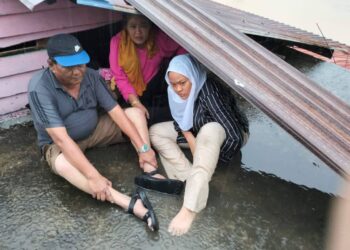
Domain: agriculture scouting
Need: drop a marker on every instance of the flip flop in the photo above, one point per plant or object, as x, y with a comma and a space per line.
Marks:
169, 186
139, 194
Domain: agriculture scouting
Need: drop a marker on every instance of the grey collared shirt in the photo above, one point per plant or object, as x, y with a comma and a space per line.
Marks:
52, 106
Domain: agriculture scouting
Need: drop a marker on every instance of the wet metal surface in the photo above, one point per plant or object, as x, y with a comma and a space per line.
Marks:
316, 118
249, 23
252, 24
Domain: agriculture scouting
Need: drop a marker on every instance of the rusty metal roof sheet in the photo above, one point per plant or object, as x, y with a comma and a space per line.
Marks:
256, 25
315, 117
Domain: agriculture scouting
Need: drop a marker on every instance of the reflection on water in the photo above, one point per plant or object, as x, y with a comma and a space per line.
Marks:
246, 209
272, 150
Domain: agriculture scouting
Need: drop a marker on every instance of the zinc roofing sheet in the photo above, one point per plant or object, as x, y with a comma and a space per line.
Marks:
315, 117
257, 25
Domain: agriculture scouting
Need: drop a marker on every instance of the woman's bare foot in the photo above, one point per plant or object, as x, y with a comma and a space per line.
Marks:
182, 222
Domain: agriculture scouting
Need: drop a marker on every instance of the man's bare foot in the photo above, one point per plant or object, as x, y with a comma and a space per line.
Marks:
182, 222
140, 211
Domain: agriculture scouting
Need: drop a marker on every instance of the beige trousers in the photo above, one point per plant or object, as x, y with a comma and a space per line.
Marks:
177, 166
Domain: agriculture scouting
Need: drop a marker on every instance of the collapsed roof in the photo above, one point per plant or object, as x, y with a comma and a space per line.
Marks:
213, 34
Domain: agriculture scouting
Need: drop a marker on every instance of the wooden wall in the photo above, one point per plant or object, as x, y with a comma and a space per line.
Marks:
18, 25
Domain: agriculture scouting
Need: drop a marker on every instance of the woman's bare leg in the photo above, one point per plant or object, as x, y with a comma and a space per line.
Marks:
205, 158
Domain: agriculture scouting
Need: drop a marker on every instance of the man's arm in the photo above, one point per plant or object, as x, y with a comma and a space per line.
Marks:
71, 151
118, 116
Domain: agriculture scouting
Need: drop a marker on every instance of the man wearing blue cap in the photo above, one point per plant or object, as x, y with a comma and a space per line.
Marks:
64, 101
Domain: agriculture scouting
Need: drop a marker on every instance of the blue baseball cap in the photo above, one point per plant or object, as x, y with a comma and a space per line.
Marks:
66, 50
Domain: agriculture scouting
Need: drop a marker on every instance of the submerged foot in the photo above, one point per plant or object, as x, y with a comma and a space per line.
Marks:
182, 222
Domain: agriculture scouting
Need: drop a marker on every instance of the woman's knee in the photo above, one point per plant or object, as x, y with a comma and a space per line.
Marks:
159, 130
213, 131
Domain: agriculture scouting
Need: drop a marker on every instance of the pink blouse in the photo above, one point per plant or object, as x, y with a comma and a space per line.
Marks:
149, 66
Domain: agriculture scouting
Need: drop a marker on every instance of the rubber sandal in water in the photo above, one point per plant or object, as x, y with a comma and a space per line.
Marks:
169, 186
139, 194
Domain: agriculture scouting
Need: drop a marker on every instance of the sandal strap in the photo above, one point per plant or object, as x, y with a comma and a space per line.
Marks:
146, 216
154, 172
133, 200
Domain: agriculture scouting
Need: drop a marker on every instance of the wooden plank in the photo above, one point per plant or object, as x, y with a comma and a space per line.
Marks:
22, 63
15, 84
13, 103
9, 41
52, 19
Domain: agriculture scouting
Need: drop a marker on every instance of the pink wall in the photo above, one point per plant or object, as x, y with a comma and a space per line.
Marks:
18, 24
15, 73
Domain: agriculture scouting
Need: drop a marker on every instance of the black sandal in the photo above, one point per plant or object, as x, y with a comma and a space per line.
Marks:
169, 186
139, 194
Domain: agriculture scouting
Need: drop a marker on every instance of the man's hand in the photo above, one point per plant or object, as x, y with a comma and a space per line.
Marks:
99, 186
148, 157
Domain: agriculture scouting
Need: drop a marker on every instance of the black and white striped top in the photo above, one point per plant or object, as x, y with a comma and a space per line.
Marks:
214, 104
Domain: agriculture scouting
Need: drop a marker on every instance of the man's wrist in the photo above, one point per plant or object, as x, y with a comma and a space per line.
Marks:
144, 148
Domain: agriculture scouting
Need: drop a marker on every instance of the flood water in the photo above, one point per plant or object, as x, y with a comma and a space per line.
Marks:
278, 199
291, 160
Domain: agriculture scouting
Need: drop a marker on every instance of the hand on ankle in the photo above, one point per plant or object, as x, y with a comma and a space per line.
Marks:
148, 168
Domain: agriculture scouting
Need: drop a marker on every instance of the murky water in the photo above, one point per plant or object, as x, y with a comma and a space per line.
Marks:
291, 160
247, 209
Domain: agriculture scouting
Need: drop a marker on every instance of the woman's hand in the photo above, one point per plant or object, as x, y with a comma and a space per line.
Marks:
139, 105
135, 102
190, 139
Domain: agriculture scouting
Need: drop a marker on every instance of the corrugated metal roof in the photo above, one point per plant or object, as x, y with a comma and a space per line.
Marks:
322, 17
256, 25
243, 21
315, 117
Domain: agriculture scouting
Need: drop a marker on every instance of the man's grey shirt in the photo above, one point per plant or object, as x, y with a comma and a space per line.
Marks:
52, 106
